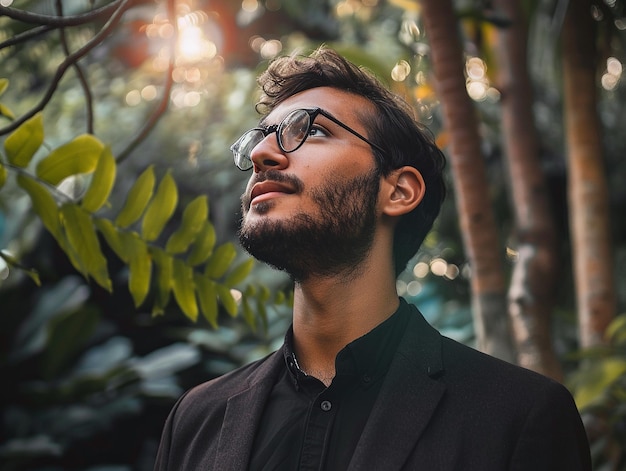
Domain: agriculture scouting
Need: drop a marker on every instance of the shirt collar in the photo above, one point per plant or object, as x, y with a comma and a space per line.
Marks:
366, 358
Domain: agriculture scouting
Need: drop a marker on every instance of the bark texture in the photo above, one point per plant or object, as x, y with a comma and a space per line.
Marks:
533, 282
477, 222
587, 185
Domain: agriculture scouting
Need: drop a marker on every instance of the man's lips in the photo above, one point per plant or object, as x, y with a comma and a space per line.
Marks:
261, 189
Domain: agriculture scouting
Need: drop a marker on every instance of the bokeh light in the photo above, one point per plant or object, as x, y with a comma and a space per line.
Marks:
401, 71
477, 82
358, 8
133, 98
611, 77
421, 270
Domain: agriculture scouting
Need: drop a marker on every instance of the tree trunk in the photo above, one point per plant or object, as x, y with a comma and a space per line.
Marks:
534, 279
587, 185
480, 237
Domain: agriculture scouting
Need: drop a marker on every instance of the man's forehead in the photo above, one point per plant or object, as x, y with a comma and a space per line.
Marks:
338, 103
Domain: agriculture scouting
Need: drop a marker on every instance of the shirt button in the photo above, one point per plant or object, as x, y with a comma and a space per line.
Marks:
366, 378
326, 406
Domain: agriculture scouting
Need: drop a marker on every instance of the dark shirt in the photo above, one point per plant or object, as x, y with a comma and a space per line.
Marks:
307, 426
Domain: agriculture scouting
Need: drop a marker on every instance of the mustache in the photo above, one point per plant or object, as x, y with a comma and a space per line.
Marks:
271, 175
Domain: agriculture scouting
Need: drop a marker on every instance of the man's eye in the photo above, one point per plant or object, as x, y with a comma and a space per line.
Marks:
317, 131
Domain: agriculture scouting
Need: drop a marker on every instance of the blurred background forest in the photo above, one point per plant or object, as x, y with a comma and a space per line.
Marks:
100, 100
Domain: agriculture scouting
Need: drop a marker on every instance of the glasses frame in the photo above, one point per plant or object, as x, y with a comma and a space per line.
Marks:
277, 128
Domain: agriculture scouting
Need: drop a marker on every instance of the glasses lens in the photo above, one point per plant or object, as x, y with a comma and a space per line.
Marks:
242, 149
293, 130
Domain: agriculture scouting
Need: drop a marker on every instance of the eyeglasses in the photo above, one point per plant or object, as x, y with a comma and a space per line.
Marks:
291, 133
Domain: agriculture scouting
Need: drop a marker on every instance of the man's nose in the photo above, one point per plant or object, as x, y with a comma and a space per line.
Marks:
268, 155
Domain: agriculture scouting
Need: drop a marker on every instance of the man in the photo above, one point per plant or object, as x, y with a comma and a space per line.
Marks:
344, 187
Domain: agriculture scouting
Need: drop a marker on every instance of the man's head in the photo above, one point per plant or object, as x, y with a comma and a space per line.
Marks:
376, 120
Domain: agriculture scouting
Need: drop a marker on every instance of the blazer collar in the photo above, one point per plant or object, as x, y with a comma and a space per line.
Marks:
393, 427
406, 402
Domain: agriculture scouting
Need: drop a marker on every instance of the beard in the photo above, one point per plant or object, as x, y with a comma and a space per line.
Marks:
335, 240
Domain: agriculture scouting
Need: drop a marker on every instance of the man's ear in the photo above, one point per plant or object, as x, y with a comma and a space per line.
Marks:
402, 190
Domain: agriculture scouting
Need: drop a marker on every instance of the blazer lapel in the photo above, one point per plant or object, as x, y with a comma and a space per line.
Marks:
242, 416
406, 402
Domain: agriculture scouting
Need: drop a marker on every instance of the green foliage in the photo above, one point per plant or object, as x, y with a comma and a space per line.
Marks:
80, 155
137, 200
21, 146
82, 242
3, 175
75, 388
603, 375
161, 208
599, 388
187, 267
101, 182
194, 216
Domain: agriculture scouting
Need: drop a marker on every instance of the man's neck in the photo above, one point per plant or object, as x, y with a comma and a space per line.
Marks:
329, 313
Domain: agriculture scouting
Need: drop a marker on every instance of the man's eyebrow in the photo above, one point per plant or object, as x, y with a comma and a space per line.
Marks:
263, 123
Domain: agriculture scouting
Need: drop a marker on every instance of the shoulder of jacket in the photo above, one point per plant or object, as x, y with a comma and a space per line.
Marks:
238, 379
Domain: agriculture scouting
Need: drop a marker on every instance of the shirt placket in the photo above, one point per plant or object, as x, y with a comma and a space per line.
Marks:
317, 433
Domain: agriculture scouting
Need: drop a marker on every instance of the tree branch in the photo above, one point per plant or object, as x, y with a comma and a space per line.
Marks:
56, 21
69, 61
79, 73
26, 36
153, 119
163, 104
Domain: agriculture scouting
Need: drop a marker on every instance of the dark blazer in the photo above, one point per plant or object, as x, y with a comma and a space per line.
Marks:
443, 406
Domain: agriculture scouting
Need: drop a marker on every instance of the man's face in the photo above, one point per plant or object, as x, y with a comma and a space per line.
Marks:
313, 211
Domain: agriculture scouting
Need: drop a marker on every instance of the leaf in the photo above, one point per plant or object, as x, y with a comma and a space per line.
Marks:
160, 209
4, 84
80, 155
22, 143
202, 247
167, 361
184, 289
207, 295
264, 294
101, 182
12, 261
279, 297
139, 264
262, 313
227, 299
597, 379
33, 275
240, 272
616, 331
164, 279
112, 238
81, 236
194, 216
3, 175
220, 260
67, 334
137, 199
248, 314
6, 111
43, 204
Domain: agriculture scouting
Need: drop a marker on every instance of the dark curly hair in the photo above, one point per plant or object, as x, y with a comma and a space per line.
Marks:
393, 128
